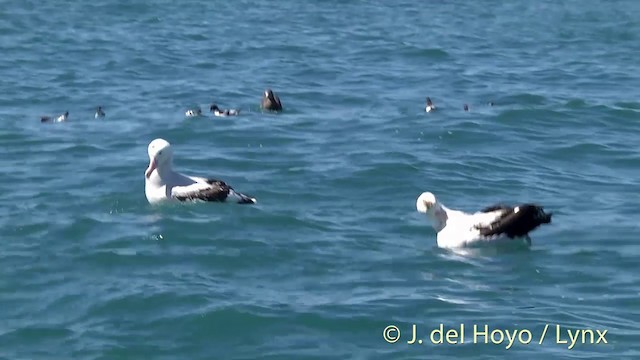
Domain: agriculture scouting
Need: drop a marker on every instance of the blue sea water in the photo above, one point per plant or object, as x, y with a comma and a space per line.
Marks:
334, 252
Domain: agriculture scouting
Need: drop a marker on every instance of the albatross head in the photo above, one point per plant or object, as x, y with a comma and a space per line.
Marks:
160, 155
425, 202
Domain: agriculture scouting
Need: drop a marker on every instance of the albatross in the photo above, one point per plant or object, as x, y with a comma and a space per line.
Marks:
162, 183
493, 224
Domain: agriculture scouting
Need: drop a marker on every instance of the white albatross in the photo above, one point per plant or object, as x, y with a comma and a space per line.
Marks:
162, 183
494, 224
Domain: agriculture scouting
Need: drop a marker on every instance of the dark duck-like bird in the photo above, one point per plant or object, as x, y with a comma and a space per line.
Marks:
271, 101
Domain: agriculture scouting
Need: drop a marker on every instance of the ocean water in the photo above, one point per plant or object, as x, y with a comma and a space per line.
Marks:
334, 252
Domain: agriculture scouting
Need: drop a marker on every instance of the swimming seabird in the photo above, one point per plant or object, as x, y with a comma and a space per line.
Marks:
430, 107
192, 113
60, 118
495, 223
223, 112
99, 113
162, 183
466, 107
271, 101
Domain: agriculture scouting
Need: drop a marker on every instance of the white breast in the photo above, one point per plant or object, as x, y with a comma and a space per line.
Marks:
461, 231
154, 189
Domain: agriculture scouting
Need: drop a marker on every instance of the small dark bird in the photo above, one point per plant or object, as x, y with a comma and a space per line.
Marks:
430, 107
60, 118
193, 113
271, 101
99, 113
466, 107
223, 112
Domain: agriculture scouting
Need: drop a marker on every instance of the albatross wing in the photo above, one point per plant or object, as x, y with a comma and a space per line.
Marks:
513, 221
201, 191
209, 190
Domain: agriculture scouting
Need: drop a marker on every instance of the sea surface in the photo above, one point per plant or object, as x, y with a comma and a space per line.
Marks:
334, 252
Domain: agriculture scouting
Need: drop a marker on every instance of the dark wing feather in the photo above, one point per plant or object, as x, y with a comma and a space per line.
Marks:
517, 224
278, 103
217, 192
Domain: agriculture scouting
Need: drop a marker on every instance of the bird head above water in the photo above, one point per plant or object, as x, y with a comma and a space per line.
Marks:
160, 156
